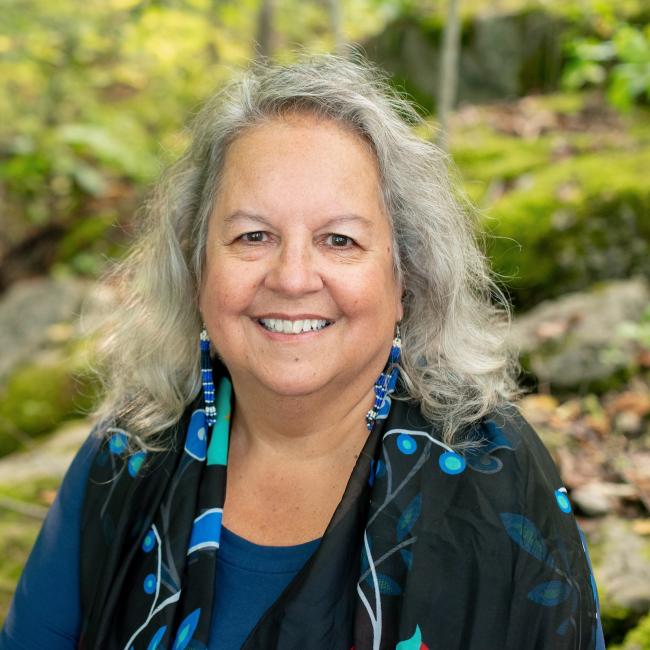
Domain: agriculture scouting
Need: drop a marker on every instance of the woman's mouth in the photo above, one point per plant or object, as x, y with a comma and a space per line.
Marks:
293, 326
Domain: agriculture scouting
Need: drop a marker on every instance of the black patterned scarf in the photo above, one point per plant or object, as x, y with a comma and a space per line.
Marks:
428, 548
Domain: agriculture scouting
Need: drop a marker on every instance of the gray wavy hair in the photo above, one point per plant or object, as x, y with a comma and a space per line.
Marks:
454, 359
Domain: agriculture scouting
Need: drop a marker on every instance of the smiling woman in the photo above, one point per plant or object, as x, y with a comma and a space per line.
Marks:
307, 439
297, 253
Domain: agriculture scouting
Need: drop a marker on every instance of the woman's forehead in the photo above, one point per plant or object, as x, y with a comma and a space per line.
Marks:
302, 162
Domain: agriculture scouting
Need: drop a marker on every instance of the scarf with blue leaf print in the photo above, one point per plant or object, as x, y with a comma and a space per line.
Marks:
428, 548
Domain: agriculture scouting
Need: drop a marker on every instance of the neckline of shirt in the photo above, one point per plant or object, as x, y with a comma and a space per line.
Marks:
240, 552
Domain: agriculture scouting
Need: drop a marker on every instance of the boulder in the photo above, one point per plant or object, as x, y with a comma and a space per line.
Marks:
575, 341
27, 312
49, 459
45, 378
623, 576
601, 497
502, 55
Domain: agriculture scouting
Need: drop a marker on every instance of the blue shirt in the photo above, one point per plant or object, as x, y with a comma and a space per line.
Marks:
46, 610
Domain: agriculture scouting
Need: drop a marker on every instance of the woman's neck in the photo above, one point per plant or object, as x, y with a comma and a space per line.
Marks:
289, 463
306, 428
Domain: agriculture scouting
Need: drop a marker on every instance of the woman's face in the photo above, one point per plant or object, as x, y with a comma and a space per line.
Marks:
299, 293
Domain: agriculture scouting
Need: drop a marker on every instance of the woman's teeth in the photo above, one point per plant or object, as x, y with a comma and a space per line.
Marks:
293, 326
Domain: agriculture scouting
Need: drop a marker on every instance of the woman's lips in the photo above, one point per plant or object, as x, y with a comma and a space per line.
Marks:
293, 326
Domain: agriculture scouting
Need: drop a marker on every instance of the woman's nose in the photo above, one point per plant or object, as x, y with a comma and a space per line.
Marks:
294, 270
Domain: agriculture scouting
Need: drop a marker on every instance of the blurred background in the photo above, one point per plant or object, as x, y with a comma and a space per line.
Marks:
544, 107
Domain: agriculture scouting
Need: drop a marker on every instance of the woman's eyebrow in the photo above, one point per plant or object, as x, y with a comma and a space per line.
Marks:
348, 218
336, 220
240, 215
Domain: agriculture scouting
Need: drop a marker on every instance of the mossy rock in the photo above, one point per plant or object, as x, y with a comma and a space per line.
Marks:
621, 567
565, 208
502, 55
577, 222
38, 397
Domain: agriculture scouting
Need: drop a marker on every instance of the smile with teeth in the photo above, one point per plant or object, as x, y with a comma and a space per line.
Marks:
293, 326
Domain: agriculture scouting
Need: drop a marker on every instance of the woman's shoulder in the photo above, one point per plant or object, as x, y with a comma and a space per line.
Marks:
499, 455
515, 471
519, 446
502, 440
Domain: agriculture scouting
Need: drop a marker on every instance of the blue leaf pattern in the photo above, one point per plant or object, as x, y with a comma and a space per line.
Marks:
550, 593
365, 565
157, 638
388, 586
524, 532
186, 630
495, 437
563, 627
409, 517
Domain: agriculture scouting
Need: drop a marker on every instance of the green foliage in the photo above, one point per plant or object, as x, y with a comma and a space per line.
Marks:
617, 623
638, 638
38, 397
87, 244
94, 93
620, 64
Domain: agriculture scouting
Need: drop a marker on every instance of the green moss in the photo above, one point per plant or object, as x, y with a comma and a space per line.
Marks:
565, 103
565, 209
19, 533
38, 397
35, 491
638, 125
484, 156
638, 638
15, 543
617, 622
85, 233
89, 243
576, 222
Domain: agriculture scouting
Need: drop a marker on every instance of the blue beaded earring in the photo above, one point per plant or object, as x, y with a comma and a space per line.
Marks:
206, 379
387, 381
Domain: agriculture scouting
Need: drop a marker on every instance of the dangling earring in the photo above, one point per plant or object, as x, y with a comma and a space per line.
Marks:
387, 381
206, 379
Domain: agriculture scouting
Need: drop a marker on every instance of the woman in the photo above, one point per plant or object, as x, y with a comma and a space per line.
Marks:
314, 240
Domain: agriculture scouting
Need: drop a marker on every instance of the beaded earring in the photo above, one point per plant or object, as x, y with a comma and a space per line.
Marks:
387, 381
206, 379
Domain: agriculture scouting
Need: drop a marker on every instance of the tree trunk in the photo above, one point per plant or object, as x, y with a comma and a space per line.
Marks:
264, 43
335, 24
448, 71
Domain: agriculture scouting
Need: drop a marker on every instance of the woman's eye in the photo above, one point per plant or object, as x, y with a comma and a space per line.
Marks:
339, 241
254, 237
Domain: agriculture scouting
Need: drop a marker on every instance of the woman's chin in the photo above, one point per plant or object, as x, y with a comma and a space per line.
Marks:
296, 387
